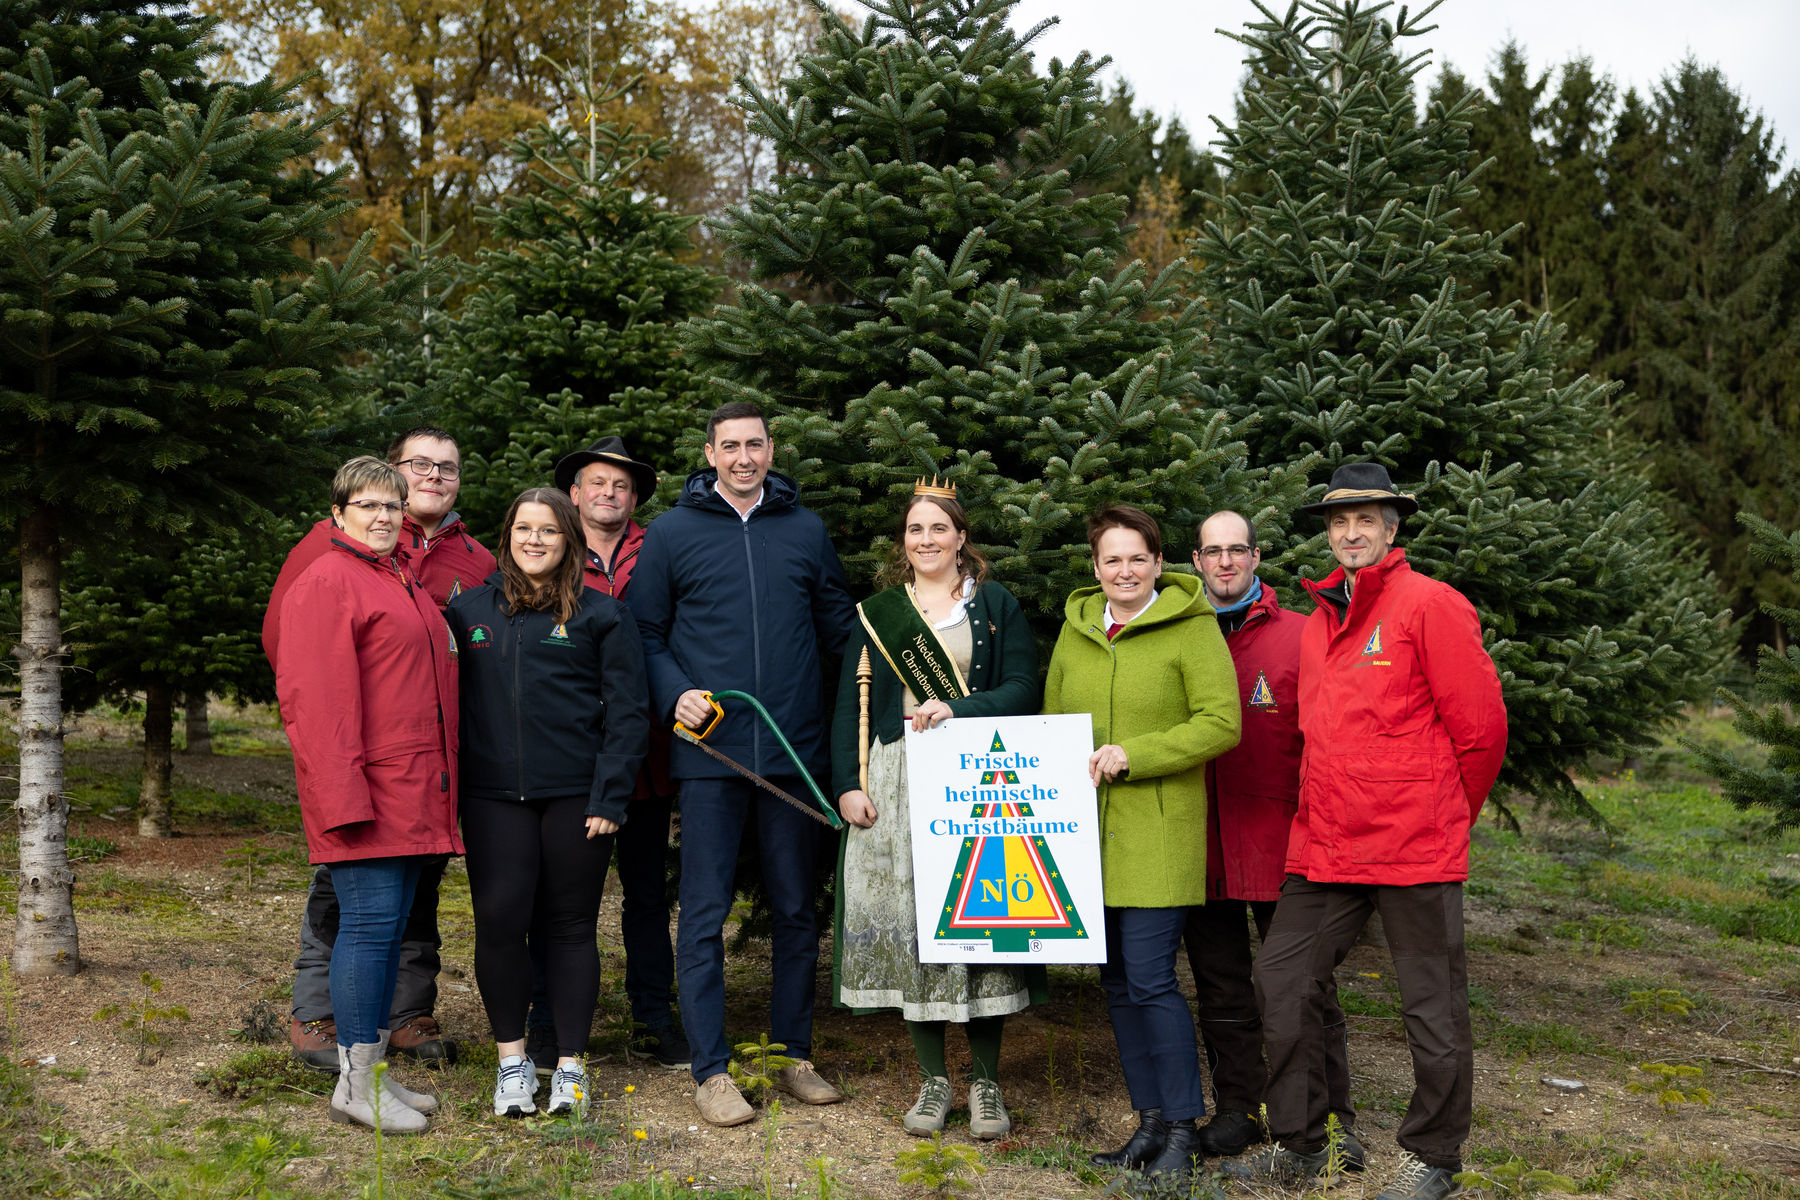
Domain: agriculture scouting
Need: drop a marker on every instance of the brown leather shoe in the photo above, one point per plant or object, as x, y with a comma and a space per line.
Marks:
804, 1084
315, 1043
419, 1037
720, 1103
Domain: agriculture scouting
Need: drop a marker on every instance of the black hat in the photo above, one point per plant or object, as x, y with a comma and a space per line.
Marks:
607, 450
1362, 483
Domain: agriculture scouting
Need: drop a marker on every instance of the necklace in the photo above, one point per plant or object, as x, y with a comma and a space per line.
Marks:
933, 608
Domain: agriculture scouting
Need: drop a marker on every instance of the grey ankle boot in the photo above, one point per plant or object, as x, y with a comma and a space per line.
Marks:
419, 1102
359, 1100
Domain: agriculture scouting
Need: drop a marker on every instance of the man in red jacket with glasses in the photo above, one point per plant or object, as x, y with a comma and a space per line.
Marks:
1405, 733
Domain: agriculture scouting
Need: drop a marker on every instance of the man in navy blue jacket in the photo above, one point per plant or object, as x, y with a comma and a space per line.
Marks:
737, 587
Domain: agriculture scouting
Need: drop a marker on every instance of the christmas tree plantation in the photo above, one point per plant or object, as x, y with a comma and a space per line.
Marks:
1342, 326
937, 289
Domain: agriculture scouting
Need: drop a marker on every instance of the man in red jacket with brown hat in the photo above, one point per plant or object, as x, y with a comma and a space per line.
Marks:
437, 548
1405, 733
1254, 789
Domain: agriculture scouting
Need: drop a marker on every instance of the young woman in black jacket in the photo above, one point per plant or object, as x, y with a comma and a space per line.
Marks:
554, 723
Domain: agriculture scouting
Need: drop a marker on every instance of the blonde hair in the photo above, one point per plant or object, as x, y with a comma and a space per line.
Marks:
365, 473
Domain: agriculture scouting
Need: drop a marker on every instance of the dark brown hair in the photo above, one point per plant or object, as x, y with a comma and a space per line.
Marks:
896, 570
737, 410
1123, 516
424, 431
561, 592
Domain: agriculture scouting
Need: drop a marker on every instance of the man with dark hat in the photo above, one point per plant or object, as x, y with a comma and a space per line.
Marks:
606, 485
1405, 732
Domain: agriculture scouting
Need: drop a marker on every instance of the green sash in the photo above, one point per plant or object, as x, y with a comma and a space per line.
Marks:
910, 645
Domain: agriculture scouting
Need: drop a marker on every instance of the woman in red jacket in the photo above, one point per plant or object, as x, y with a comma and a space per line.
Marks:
368, 697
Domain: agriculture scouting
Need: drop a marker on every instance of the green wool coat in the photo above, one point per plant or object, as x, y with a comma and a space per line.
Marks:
1165, 692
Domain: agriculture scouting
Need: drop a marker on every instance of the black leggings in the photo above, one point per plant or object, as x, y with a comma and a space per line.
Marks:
522, 855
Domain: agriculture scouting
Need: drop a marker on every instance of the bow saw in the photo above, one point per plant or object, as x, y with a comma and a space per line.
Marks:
822, 813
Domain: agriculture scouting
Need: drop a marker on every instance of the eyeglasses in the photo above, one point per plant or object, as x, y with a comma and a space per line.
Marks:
390, 507
1215, 553
522, 533
422, 467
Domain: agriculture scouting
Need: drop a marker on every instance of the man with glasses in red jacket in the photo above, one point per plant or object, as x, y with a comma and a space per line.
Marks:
1254, 788
437, 548
1405, 733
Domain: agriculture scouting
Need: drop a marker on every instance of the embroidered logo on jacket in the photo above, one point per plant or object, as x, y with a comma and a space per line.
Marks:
1373, 645
1261, 696
456, 587
558, 636
480, 637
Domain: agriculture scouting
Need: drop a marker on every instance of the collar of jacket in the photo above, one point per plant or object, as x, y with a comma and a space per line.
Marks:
629, 542
1179, 596
699, 492
1369, 580
453, 523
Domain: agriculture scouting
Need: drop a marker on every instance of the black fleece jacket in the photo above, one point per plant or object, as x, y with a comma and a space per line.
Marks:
550, 709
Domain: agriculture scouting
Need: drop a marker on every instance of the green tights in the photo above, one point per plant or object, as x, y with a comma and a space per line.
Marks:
984, 1045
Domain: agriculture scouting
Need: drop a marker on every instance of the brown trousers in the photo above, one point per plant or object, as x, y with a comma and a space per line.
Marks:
1315, 925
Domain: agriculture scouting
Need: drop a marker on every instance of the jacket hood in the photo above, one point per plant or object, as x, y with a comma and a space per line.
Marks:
1394, 561
700, 491
452, 523
1178, 596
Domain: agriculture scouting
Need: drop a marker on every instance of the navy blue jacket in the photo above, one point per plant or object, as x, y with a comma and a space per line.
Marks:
550, 708
724, 603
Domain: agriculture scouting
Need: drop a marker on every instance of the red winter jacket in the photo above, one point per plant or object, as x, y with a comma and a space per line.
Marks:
654, 779
1255, 786
370, 707
1405, 731
445, 563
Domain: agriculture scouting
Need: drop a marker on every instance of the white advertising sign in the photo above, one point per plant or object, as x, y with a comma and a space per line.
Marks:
1006, 840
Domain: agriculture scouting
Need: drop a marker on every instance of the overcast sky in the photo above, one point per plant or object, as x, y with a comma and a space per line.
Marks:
1177, 64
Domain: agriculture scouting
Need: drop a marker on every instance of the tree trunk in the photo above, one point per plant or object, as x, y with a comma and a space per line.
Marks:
44, 940
199, 728
159, 734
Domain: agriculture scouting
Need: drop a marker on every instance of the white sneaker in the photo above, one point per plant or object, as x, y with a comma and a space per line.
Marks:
569, 1090
517, 1083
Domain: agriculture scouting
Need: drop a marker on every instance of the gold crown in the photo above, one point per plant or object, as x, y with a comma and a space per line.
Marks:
946, 489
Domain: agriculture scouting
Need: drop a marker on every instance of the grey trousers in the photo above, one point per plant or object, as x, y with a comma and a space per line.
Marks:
415, 991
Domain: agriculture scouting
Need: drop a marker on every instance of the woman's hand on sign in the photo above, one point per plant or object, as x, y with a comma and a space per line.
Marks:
930, 715
600, 827
857, 808
1108, 763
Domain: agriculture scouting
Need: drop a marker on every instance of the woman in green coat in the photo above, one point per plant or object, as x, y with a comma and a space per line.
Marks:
965, 651
1142, 654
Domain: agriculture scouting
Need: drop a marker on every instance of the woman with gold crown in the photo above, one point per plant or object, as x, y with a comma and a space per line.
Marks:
968, 653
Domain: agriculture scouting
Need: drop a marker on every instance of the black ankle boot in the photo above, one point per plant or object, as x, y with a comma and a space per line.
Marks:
1181, 1150
1229, 1133
1145, 1144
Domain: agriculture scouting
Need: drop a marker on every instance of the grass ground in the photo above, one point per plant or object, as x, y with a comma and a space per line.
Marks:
1651, 958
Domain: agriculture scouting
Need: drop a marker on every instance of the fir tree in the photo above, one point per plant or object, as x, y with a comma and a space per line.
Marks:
162, 339
567, 332
936, 288
1342, 326
1767, 716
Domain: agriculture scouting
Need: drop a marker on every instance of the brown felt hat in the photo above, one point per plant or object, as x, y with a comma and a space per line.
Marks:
607, 450
1362, 483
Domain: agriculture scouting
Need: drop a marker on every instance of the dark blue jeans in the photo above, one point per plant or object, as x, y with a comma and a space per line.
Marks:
374, 898
1150, 1016
713, 815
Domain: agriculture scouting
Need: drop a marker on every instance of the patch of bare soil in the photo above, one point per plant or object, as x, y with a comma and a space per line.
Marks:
221, 943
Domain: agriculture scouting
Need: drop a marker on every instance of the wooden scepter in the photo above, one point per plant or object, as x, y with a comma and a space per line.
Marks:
864, 676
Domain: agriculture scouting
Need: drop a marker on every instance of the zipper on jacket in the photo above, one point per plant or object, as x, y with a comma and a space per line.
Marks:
755, 646
518, 715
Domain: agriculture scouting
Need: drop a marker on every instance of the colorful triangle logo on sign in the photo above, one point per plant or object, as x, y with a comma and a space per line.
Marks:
1373, 645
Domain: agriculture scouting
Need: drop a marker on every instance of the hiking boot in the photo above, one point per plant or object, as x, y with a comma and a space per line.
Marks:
1350, 1151
1230, 1133
514, 1087
1181, 1153
315, 1043
419, 1102
1276, 1164
419, 1037
1419, 1180
803, 1083
1146, 1143
720, 1103
568, 1090
663, 1045
541, 1049
987, 1111
927, 1114
359, 1100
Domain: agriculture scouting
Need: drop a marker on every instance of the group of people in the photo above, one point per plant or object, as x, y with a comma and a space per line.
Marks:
1311, 769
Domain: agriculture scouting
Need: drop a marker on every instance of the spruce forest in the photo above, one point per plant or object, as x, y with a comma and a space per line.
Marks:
245, 240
